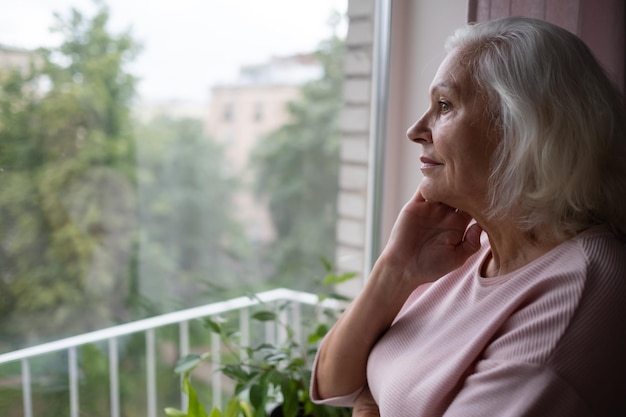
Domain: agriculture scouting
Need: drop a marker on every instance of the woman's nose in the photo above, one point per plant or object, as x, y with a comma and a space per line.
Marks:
419, 131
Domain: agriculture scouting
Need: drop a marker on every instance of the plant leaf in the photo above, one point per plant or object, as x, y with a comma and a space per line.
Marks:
215, 412
236, 373
275, 356
264, 346
339, 297
213, 325
291, 334
264, 315
338, 279
187, 363
327, 265
259, 412
319, 333
290, 398
232, 408
245, 408
195, 408
256, 396
173, 412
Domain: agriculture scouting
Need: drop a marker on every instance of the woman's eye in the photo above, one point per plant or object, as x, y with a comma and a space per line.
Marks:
443, 106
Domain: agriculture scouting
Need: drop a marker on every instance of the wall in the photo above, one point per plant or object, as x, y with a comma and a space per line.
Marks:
354, 125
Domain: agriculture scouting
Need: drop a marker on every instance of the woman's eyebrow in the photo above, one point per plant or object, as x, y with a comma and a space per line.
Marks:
445, 85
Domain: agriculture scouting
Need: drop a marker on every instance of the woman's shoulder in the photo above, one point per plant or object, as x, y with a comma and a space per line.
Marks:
603, 251
590, 354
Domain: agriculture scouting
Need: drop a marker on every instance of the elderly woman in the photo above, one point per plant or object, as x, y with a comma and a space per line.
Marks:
502, 289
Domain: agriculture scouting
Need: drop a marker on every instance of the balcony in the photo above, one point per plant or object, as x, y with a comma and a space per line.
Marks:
128, 370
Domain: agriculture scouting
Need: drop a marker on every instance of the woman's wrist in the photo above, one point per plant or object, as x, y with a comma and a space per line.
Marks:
386, 290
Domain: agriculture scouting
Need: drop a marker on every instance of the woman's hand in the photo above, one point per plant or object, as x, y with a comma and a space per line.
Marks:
429, 240
365, 406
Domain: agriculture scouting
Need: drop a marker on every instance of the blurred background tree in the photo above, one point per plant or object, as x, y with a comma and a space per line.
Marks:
297, 170
192, 250
66, 147
100, 212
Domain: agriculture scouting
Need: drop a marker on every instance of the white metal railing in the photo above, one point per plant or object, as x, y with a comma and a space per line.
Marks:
181, 318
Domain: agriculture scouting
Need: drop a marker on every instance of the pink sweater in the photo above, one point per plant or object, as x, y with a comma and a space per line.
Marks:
546, 340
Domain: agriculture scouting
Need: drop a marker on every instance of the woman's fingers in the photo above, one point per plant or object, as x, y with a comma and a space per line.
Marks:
418, 196
471, 240
365, 406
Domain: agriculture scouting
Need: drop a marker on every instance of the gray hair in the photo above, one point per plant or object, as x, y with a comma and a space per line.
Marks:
561, 162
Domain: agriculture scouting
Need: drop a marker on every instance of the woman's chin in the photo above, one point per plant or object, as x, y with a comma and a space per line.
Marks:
430, 191
434, 194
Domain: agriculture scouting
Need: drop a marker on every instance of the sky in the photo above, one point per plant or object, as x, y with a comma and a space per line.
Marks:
188, 45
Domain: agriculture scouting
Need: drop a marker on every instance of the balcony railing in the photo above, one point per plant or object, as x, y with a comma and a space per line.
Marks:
110, 337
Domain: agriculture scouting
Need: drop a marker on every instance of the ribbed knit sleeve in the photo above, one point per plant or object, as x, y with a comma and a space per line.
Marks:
341, 401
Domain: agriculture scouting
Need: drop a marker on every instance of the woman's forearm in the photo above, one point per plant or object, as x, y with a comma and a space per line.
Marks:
342, 359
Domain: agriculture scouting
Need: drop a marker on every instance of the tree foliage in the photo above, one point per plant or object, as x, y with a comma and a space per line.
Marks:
100, 212
297, 169
190, 249
67, 147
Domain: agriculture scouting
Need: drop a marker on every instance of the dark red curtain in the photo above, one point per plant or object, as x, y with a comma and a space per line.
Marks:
600, 23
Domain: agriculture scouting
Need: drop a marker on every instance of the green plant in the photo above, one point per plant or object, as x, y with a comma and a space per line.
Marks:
268, 376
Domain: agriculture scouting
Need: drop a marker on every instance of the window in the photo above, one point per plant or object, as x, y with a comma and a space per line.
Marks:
258, 112
228, 112
121, 194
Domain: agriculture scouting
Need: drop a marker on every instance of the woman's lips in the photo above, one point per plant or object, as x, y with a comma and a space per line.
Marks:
428, 163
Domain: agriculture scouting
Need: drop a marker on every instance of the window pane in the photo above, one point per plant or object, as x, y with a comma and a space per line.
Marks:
156, 156
160, 155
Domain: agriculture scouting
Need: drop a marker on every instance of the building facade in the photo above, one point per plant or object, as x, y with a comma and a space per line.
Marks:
244, 110
16, 58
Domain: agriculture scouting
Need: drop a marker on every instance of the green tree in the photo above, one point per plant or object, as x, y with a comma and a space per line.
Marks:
191, 249
297, 169
66, 147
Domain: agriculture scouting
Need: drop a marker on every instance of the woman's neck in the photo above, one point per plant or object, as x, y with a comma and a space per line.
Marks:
512, 248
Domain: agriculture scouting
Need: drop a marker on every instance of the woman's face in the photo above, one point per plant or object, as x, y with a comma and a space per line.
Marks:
457, 138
